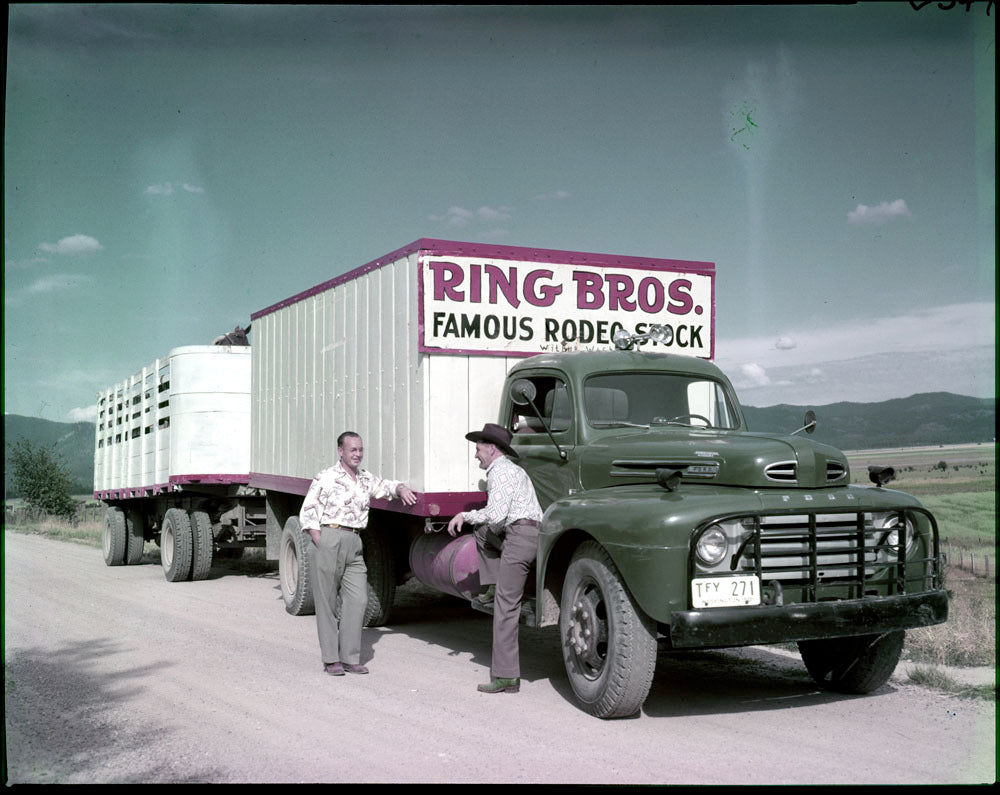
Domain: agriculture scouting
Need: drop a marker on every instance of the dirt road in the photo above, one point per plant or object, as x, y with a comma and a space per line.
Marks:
115, 675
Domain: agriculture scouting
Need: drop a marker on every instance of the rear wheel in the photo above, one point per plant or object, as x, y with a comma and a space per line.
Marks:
114, 537
295, 569
856, 665
175, 545
381, 576
609, 644
202, 543
135, 526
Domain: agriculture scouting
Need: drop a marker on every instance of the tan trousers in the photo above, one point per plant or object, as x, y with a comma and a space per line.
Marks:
508, 570
340, 570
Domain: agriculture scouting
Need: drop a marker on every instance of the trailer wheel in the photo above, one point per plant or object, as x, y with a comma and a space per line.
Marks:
855, 665
295, 569
135, 529
609, 644
114, 538
175, 545
202, 543
381, 576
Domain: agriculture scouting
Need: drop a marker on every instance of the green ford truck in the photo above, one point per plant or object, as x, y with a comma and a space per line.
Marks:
667, 517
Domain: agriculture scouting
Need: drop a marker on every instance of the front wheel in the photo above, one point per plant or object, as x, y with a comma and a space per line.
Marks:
609, 644
855, 665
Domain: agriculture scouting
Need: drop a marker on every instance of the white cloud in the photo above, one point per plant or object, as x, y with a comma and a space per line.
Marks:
168, 189
24, 264
883, 213
454, 216
554, 195
459, 216
751, 375
784, 344
83, 414
946, 348
57, 281
72, 245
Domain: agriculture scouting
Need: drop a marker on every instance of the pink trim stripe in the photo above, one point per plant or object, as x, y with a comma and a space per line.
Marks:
429, 504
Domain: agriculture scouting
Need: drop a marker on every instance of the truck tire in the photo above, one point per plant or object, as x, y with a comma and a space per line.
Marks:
135, 527
295, 569
855, 665
114, 537
203, 543
175, 545
381, 576
609, 644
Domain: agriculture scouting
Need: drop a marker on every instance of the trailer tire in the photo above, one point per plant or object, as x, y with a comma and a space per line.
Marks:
175, 545
609, 644
295, 573
855, 665
381, 576
203, 543
135, 526
114, 537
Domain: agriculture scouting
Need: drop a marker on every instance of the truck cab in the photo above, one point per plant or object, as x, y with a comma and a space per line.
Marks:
665, 516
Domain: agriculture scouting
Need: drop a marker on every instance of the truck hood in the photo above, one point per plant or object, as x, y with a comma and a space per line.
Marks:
728, 458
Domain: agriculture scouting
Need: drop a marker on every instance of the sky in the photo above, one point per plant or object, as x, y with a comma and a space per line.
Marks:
171, 169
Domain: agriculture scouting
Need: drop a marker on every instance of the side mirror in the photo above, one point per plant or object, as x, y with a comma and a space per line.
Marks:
810, 423
522, 392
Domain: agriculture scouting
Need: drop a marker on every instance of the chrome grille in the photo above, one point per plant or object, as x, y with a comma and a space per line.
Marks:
825, 547
835, 470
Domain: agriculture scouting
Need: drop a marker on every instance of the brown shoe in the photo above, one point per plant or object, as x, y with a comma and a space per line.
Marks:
355, 669
334, 669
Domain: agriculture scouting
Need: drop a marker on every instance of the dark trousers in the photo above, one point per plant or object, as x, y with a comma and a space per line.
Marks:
508, 570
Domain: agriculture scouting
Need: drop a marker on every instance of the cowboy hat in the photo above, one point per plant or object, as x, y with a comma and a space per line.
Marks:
493, 434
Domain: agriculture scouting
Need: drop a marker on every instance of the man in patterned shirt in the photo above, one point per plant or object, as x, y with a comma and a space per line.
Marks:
512, 514
334, 512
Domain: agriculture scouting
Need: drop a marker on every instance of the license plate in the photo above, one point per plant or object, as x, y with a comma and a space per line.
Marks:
726, 591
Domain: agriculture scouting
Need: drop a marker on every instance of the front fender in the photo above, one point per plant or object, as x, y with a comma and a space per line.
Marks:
645, 529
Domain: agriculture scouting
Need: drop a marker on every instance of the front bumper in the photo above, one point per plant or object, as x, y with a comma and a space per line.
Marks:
749, 626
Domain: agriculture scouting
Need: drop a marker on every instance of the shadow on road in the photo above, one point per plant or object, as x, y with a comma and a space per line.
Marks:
686, 682
67, 723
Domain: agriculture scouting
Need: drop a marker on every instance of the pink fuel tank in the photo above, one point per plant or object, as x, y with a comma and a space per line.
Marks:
449, 565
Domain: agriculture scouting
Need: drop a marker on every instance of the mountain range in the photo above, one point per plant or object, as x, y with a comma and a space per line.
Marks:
926, 419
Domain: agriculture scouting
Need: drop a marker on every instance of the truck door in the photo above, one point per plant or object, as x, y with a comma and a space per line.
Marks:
553, 475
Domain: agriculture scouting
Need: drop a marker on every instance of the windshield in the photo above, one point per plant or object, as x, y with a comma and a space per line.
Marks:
619, 400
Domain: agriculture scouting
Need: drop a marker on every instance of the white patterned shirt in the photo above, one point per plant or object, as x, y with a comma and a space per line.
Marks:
510, 496
334, 497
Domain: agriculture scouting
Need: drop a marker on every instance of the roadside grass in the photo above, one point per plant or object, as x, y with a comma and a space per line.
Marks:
932, 677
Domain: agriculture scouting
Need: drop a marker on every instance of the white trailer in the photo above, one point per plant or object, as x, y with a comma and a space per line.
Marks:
410, 351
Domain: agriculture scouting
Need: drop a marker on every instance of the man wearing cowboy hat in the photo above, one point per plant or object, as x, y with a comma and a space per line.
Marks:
512, 514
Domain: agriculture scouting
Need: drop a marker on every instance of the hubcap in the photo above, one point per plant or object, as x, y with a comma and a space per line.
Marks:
290, 568
587, 633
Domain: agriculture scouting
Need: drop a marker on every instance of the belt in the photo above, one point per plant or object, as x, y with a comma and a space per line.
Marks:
343, 527
528, 522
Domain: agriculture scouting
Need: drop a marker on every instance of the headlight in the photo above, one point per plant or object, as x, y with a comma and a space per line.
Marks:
891, 538
712, 546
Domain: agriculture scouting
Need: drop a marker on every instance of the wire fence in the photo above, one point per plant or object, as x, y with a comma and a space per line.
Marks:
26, 514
